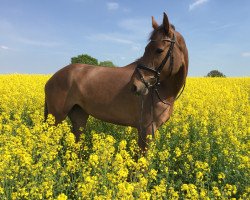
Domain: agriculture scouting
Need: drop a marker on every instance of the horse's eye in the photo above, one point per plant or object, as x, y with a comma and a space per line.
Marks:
159, 50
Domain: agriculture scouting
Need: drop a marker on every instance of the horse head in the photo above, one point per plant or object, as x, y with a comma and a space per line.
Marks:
163, 58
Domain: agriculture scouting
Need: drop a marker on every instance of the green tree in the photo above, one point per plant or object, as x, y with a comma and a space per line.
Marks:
107, 63
85, 59
215, 73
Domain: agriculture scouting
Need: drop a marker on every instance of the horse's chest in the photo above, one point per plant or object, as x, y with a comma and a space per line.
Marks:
162, 113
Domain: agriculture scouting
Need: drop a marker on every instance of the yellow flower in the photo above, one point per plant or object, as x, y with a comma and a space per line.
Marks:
145, 196
163, 155
214, 159
123, 145
216, 191
62, 196
177, 152
93, 160
199, 176
221, 176
173, 195
125, 190
230, 189
1, 190
118, 158
159, 191
152, 174
143, 182
184, 187
202, 166
128, 130
142, 163
123, 173
203, 194
190, 191
190, 158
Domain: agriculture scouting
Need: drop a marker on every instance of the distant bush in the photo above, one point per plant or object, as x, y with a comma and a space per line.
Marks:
215, 73
87, 59
84, 59
107, 63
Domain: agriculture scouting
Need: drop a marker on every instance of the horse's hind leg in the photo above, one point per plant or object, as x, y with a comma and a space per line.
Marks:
78, 118
56, 109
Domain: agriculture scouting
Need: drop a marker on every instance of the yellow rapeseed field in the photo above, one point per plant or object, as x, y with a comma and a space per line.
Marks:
201, 153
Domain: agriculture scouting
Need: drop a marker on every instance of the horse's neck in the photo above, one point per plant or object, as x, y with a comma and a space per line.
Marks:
171, 86
131, 65
167, 89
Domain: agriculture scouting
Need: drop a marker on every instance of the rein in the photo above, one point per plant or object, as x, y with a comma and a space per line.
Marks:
157, 73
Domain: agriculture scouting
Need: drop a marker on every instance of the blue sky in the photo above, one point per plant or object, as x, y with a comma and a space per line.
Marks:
41, 36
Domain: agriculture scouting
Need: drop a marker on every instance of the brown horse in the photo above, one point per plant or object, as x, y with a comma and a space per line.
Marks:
140, 95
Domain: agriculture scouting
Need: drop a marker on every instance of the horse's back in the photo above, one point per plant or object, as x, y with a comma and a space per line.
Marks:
63, 78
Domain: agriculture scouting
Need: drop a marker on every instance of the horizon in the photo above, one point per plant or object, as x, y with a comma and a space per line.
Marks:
41, 37
50, 74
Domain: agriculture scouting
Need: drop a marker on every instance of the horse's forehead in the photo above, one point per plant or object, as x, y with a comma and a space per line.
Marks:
159, 33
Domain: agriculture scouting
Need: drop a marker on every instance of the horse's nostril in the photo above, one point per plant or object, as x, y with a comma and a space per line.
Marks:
134, 88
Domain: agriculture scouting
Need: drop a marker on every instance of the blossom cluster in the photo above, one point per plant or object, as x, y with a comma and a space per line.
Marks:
202, 152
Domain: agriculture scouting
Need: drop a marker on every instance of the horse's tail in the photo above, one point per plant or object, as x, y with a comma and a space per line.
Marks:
45, 111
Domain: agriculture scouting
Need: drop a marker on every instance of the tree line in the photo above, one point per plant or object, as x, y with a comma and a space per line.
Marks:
87, 59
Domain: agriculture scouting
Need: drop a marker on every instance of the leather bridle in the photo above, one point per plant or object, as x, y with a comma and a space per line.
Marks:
157, 71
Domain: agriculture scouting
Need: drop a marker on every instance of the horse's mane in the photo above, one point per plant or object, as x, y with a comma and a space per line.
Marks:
173, 27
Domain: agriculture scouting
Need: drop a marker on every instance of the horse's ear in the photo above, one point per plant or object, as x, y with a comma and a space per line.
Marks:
154, 23
166, 23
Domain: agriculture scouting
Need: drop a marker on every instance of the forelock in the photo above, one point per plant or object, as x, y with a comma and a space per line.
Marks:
160, 29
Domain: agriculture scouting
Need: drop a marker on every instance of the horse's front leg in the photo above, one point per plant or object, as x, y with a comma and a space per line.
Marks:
143, 132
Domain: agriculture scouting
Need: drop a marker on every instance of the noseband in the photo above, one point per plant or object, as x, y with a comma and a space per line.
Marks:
158, 70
